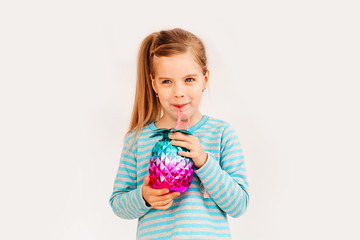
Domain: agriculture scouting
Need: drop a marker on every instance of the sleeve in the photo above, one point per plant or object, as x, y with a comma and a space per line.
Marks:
126, 200
226, 180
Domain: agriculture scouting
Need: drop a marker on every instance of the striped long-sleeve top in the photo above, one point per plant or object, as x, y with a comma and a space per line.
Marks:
192, 216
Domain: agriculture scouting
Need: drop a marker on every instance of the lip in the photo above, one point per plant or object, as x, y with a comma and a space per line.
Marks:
179, 105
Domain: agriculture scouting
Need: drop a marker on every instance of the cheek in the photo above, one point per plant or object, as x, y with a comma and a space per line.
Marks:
163, 97
196, 93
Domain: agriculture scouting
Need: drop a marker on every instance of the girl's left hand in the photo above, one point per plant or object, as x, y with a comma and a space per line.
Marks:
197, 153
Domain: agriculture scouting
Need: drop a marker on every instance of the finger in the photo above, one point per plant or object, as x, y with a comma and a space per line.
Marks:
171, 195
162, 203
154, 200
185, 154
165, 197
182, 136
176, 194
178, 135
181, 144
156, 195
159, 192
166, 206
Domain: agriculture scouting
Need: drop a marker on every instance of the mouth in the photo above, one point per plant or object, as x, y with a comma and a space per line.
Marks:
180, 105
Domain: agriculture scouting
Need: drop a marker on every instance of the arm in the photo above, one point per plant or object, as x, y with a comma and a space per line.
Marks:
226, 182
126, 200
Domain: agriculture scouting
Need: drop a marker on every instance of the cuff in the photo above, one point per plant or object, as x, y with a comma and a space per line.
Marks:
205, 169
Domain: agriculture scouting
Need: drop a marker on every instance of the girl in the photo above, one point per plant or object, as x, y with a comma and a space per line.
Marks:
172, 75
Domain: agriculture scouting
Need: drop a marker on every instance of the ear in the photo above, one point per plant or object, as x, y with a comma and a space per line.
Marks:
153, 84
206, 79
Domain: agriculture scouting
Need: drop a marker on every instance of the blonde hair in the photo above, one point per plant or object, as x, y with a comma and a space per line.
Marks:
147, 107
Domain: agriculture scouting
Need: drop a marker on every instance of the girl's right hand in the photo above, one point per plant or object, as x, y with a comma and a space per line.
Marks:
158, 198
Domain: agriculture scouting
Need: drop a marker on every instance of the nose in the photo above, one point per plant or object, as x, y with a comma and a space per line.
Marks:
179, 91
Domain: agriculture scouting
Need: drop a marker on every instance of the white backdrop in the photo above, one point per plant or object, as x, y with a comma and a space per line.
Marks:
284, 74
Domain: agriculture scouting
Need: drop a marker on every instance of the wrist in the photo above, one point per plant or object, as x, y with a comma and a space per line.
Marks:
142, 195
204, 161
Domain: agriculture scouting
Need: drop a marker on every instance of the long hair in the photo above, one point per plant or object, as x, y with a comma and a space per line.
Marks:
147, 107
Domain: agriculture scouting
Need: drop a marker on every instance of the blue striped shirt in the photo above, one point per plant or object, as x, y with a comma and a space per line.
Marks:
191, 216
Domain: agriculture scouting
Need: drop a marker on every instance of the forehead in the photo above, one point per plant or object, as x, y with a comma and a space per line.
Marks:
176, 65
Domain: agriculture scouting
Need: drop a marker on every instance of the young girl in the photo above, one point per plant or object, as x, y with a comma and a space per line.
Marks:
172, 75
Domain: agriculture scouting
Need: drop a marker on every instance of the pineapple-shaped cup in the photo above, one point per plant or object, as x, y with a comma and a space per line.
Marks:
167, 168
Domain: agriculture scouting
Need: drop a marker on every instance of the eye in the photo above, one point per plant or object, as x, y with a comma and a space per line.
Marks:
165, 81
190, 79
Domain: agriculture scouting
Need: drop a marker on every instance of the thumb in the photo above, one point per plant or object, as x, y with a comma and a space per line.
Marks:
146, 181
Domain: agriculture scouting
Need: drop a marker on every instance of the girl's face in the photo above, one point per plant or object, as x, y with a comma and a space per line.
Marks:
179, 82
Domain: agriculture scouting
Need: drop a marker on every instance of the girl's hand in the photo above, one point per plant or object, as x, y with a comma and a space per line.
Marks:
158, 198
197, 153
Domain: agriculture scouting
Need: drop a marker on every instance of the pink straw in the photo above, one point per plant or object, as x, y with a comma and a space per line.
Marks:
179, 122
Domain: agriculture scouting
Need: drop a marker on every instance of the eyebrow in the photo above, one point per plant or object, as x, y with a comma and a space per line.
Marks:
189, 75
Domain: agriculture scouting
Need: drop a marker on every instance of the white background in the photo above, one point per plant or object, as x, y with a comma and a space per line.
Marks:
284, 74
